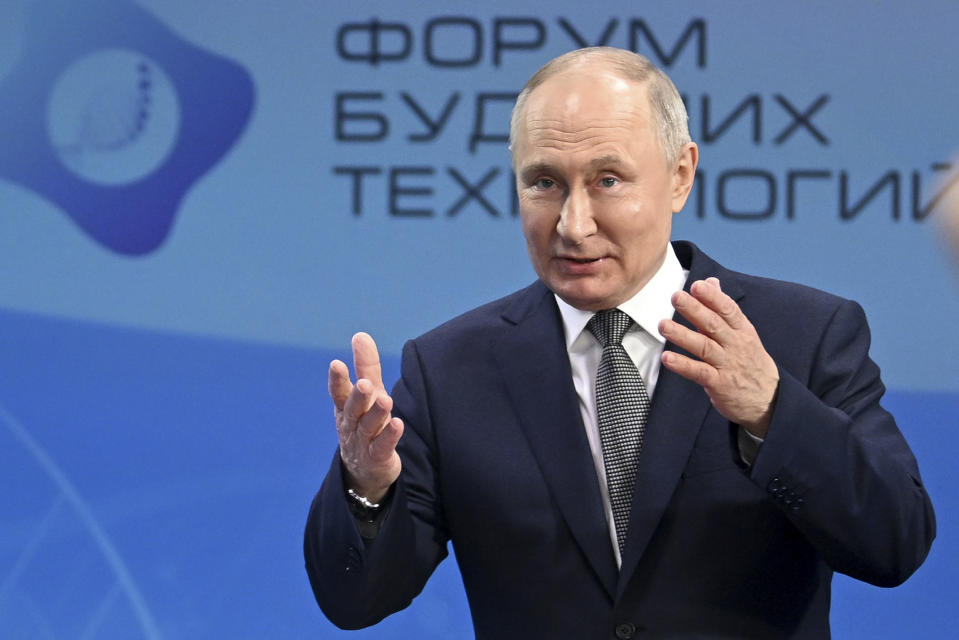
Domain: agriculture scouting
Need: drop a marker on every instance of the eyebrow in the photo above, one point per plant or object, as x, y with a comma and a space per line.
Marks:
528, 172
605, 161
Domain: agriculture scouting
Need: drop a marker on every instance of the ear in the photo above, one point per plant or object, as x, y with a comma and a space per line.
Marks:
684, 172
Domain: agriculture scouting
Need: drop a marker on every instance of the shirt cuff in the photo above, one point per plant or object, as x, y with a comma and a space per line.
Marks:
748, 446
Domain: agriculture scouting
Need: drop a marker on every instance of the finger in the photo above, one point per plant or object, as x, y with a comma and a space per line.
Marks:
710, 293
358, 403
339, 385
385, 443
702, 373
696, 343
701, 316
366, 359
374, 420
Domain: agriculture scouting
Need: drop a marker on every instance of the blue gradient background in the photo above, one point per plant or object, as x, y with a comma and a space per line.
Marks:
163, 416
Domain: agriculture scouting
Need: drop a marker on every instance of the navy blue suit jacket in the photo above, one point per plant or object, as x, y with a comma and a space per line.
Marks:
495, 459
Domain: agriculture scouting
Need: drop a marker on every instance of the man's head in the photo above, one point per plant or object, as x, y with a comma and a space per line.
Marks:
602, 158
668, 110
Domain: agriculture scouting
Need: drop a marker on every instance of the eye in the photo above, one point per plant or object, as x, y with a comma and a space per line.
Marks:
608, 181
544, 183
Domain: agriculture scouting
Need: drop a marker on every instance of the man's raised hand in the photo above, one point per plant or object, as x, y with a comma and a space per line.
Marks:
367, 431
734, 368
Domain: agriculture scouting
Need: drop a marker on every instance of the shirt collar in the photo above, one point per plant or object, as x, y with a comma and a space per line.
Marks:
650, 304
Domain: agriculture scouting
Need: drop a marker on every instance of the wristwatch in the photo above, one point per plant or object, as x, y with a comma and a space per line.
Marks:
362, 508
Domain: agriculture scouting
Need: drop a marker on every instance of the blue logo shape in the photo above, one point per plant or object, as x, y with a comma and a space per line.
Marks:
112, 117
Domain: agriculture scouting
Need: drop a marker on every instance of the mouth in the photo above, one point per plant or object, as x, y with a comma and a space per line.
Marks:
576, 260
578, 266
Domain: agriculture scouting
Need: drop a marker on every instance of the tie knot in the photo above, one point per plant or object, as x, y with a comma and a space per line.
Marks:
609, 326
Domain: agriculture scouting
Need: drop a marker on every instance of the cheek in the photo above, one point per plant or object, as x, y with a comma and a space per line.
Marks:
537, 229
528, 230
627, 221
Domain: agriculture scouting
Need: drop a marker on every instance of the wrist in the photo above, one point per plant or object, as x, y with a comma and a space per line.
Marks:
371, 488
760, 427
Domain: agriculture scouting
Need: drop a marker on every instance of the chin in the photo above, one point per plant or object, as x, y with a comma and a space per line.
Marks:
582, 300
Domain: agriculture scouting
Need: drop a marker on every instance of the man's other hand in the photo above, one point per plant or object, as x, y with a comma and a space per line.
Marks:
366, 429
739, 376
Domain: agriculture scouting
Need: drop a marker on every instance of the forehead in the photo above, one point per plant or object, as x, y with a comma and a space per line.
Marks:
581, 108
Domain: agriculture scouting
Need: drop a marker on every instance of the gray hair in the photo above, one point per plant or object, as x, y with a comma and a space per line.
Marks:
668, 110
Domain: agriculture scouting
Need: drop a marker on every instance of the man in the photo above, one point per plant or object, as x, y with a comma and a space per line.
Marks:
756, 458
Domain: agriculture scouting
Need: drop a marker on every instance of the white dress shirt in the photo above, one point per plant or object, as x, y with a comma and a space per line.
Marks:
642, 342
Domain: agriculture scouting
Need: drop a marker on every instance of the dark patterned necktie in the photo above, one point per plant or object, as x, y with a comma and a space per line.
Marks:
622, 406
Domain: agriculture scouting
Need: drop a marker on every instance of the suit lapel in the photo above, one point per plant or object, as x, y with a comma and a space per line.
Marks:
533, 361
678, 411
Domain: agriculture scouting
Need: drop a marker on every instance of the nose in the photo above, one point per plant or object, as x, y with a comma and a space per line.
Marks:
576, 222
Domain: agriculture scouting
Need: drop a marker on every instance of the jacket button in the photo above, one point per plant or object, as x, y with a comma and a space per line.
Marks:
625, 631
776, 486
353, 559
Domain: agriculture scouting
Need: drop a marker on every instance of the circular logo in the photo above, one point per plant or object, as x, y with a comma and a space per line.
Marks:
113, 116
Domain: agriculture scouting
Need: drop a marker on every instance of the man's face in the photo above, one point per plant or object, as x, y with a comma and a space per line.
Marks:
595, 192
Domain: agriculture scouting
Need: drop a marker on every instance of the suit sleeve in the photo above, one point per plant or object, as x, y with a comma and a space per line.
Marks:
357, 583
837, 465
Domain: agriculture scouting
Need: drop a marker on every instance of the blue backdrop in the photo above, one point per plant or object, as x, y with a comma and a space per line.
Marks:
201, 201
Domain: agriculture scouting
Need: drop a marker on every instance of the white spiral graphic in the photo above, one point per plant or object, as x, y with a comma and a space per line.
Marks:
41, 596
